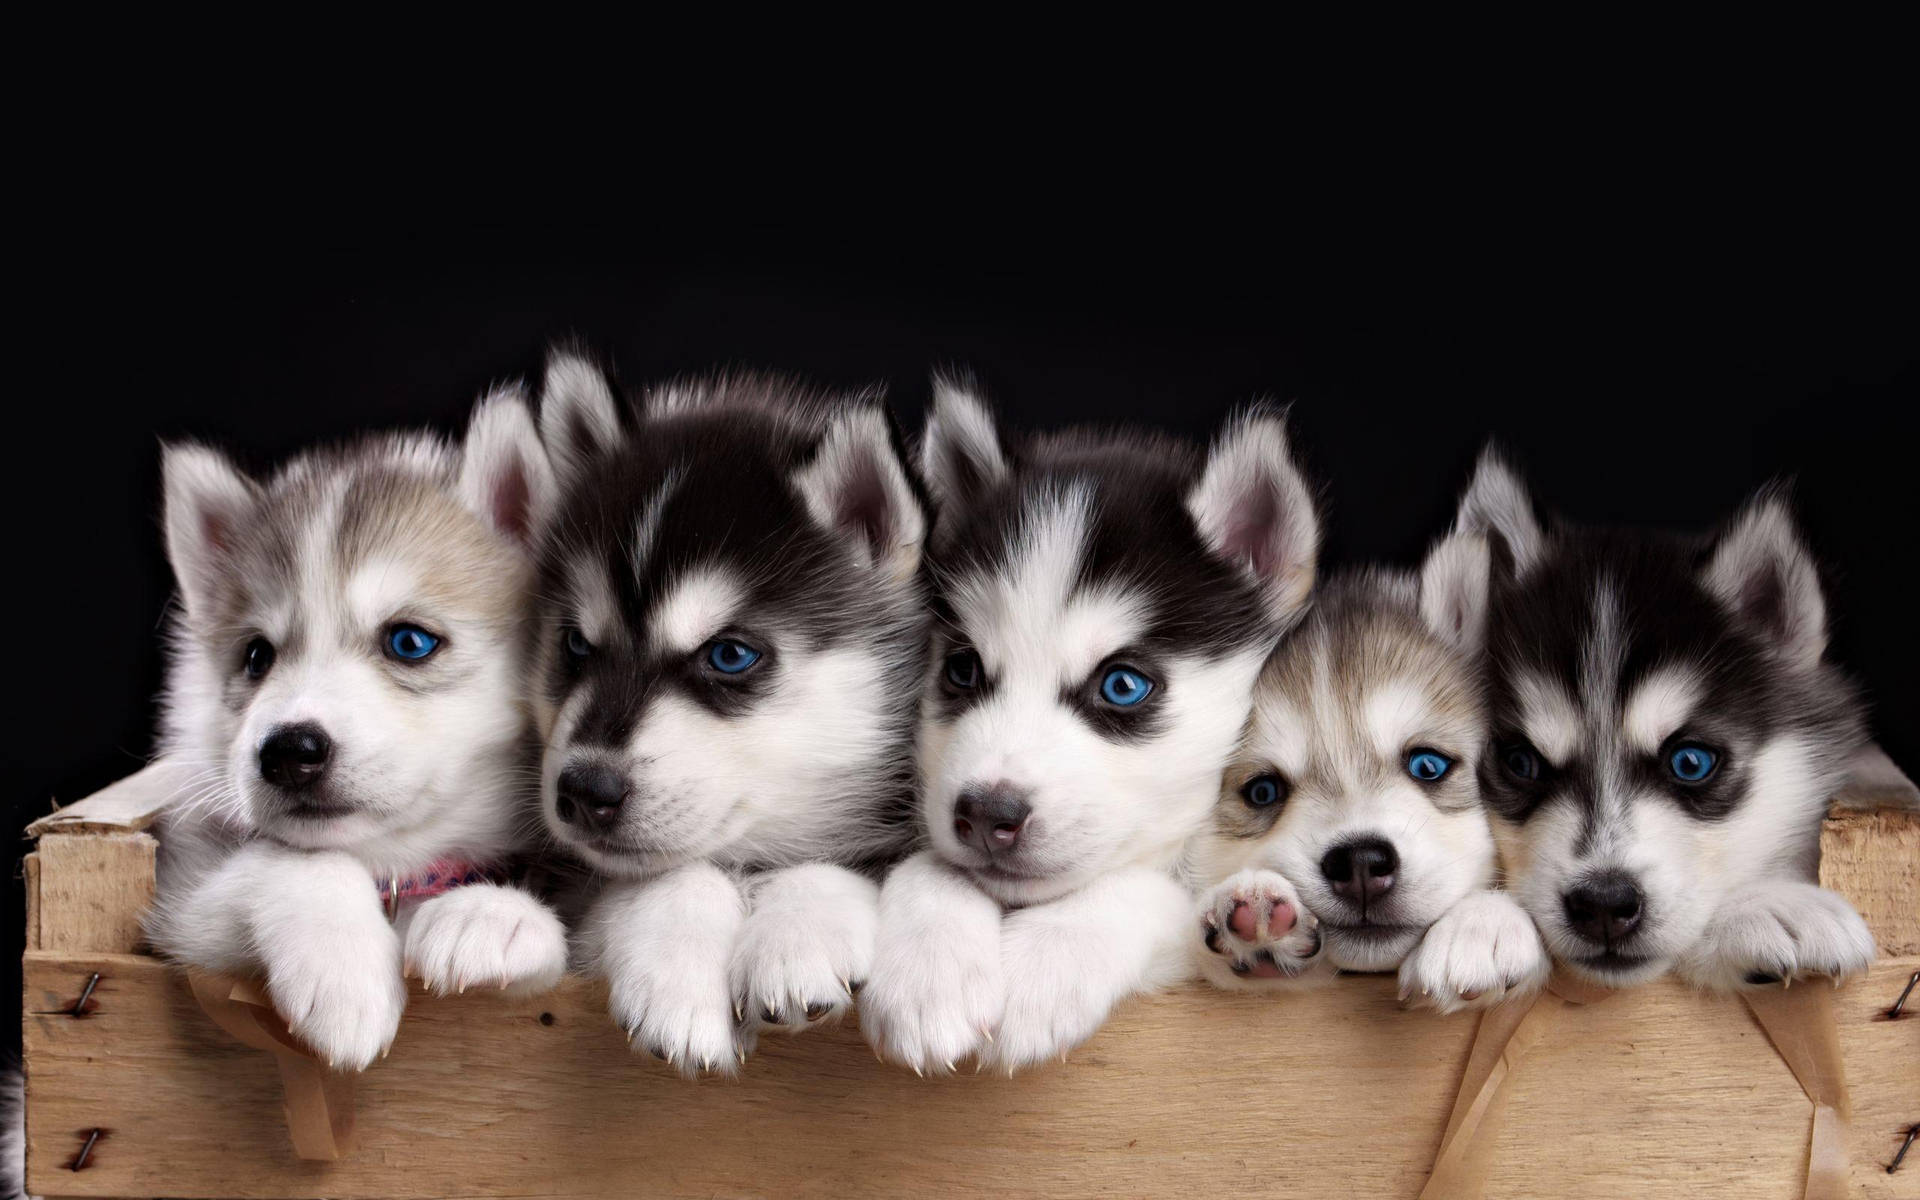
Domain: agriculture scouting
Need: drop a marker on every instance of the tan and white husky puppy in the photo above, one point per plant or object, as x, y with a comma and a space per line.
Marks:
347, 685
1350, 832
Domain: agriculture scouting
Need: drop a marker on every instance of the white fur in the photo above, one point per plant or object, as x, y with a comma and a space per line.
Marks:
1496, 502
1480, 952
1761, 555
938, 987
486, 935
694, 609
664, 947
430, 774
579, 417
1659, 706
806, 943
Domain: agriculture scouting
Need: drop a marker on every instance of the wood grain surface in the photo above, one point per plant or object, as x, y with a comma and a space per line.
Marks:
1655, 1092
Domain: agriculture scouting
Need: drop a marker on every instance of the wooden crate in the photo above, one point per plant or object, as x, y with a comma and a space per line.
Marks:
1653, 1092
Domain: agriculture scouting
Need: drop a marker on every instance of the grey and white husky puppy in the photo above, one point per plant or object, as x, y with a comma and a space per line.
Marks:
732, 632
1103, 603
347, 684
1667, 733
1350, 832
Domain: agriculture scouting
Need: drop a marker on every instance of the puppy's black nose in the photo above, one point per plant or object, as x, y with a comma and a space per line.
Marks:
1361, 871
1605, 909
590, 796
295, 756
991, 818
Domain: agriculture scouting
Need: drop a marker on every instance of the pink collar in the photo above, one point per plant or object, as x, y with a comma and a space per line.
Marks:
436, 878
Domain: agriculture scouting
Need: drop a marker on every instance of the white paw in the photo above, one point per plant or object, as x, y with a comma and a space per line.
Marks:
805, 946
1778, 933
1483, 950
342, 996
1254, 933
483, 935
684, 1018
1052, 1006
934, 999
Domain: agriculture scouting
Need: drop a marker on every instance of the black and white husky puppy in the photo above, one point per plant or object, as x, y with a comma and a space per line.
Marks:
733, 632
347, 686
1350, 832
1667, 733
1103, 604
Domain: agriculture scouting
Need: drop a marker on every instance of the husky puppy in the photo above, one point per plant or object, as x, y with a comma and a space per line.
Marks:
732, 639
1667, 733
346, 678
1103, 604
1349, 832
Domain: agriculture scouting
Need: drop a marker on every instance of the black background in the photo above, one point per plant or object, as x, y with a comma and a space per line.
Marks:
1648, 371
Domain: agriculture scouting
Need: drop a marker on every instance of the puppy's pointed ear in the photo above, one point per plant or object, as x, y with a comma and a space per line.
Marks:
505, 477
1496, 504
857, 487
1761, 572
1455, 582
960, 453
579, 415
1255, 510
208, 504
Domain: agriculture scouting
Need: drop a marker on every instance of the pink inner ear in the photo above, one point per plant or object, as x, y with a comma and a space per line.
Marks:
1252, 530
512, 502
215, 529
862, 506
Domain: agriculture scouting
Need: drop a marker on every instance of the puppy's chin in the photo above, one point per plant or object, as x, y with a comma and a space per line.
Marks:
1614, 970
1369, 947
353, 830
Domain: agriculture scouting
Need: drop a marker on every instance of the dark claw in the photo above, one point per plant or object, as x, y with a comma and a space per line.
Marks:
817, 1010
659, 1052
771, 1017
856, 985
1213, 938
1761, 977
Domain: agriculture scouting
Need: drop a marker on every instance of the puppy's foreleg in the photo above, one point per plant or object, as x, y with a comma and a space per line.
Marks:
1481, 951
486, 935
1775, 931
807, 942
664, 946
935, 992
312, 922
1070, 961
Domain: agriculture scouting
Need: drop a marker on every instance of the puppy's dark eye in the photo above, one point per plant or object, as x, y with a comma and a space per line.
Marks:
1264, 791
963, 669
575, 643
259, 658
1521, 761
1693, 763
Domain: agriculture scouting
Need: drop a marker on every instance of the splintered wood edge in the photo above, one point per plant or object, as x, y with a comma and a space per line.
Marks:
127, 806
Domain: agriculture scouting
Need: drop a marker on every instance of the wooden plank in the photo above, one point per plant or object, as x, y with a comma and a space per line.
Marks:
93, 890
1656, 1092
1873, 859
30, 872
127, 806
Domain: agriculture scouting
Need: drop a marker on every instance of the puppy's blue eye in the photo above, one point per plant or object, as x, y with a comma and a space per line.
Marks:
1521, 762
1125, 687
1264, 791
1428, 765
1692, 764
576, 643
730, 657
410, 642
